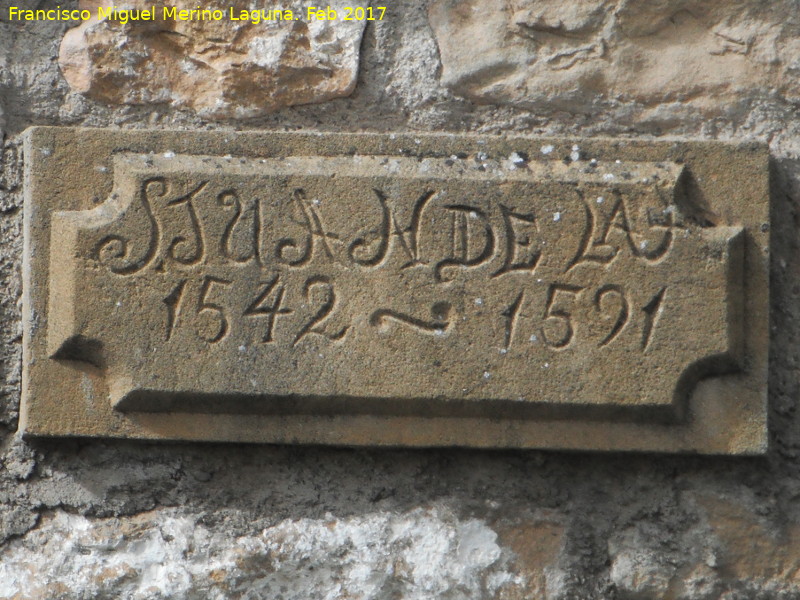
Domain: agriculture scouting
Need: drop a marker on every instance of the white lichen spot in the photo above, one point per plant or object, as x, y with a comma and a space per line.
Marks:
188, 67
473, 215
516, 159
600, 199
575, 155
486, 375
547, 149
242, 348
439, 333
505, 579
316, 202
119, 303
608, 176
643, 245
169, 154
477, 545
593, 162
533, 339
556, 217
503, 350
267, 51
478, 301
618, 161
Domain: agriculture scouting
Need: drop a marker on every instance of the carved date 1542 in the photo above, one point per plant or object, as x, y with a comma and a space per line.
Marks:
438, 236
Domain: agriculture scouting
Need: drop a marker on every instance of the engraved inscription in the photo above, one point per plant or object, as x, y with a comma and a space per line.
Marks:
409, 237
288, 250
322, 288
557, 315
609, 233
173, 302
651, 312
269, 304
117, 251
462, 253
371, 277
616, 293
359, 249
522, 252
212, 311
186, 245
241, 240
437, 325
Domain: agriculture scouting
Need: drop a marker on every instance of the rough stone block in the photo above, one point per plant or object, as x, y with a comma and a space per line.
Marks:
393, 290
663, 60
234, 67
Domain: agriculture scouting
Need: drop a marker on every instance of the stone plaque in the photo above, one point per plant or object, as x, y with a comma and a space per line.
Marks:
429, 290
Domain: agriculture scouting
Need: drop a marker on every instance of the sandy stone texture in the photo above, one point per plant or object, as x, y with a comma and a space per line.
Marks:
220, 69
557, 295
579, 55
420, 554
569, 525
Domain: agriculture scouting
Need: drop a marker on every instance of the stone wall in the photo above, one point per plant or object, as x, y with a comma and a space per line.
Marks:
109, 519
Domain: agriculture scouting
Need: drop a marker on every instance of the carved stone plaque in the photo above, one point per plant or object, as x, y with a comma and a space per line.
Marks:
366, 289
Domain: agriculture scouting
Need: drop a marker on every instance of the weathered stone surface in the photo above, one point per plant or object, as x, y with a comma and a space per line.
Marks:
579, 55
220, 68
90, 490
345, 275
418, 555
379, 290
